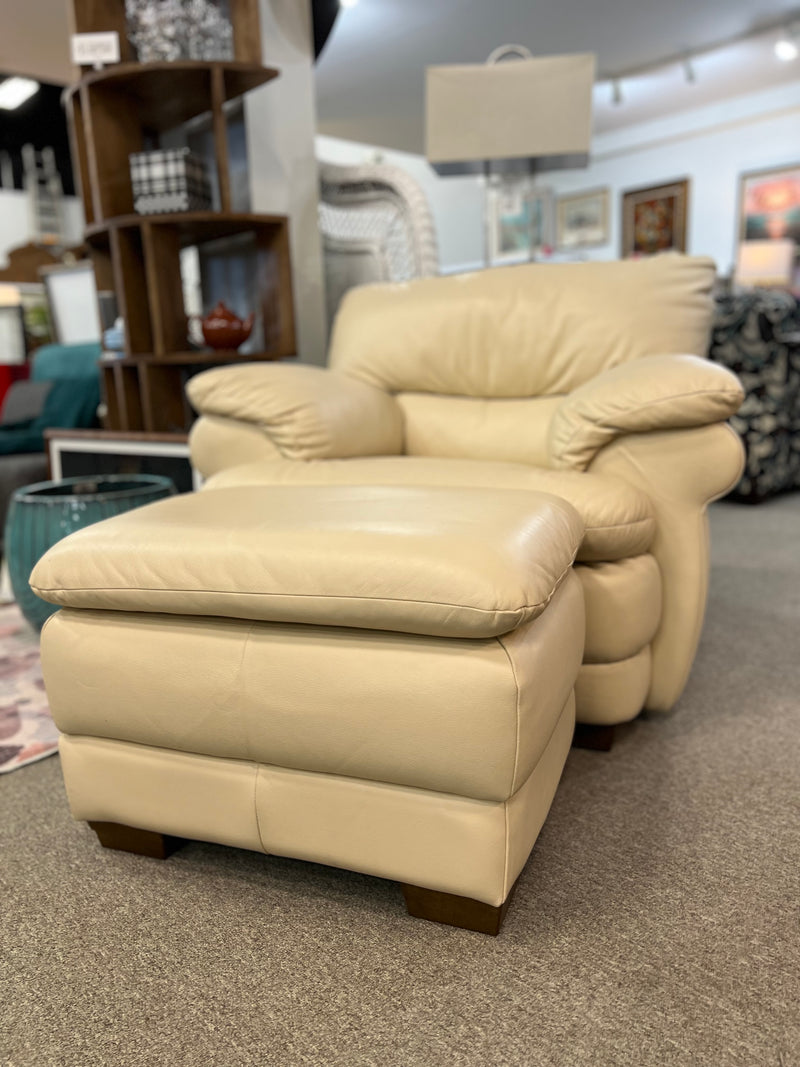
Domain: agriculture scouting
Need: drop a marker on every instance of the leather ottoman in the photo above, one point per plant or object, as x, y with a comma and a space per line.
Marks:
375, 678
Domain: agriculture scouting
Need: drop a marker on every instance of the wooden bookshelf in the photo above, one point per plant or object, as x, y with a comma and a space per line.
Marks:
133, 107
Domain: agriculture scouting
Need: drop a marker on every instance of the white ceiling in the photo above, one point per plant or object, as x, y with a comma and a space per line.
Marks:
371, 76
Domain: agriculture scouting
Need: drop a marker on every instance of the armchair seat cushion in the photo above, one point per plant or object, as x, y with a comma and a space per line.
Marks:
618, 517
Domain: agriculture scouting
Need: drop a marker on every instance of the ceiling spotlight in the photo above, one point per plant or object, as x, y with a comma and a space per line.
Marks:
786, 48
15, 91
616, 91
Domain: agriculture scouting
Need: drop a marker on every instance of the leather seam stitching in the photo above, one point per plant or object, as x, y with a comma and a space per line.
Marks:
723, 394
615, 662
732, 485
307, 596
240, 665
506, 851
620, 525
501, 643
255, 807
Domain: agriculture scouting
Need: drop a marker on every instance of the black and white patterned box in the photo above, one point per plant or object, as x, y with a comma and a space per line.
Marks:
169, 179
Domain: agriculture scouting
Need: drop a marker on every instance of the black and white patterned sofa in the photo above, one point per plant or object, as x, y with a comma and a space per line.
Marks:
756, 334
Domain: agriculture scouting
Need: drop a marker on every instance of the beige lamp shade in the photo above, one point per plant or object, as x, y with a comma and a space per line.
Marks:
516, 110
765, 263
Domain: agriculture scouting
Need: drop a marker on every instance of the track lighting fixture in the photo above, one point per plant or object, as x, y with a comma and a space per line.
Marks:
786, 38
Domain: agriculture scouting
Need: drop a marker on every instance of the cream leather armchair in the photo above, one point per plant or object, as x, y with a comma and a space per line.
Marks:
582, 380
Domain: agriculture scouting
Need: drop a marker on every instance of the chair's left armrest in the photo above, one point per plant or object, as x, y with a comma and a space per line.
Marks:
305, 412
655, 393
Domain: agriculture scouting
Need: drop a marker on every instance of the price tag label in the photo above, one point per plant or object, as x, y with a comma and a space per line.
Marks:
91, 48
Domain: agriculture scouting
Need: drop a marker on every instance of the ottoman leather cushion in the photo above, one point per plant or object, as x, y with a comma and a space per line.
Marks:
456, 715
454, 563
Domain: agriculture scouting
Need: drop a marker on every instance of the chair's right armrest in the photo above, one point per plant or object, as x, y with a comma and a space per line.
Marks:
681, 471
302, 412
666, 392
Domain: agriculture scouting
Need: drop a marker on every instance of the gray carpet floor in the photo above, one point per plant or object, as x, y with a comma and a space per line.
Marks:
655, 923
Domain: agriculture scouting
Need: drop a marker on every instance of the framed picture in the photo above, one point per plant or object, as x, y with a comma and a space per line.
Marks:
24, 321
12, 326
769, 205
72, 299
654, 219
520, 221
582, 219
38, 328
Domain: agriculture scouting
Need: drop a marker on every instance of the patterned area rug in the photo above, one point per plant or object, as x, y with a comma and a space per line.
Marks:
27, 733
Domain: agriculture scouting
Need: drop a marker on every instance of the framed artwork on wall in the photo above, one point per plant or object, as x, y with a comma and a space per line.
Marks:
768, 231
769, 205
582, 219
654, 219
520, 221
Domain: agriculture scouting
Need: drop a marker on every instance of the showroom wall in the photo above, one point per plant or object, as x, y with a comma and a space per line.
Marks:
711, 146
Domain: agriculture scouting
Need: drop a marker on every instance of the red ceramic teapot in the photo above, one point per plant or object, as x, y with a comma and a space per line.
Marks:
224, 329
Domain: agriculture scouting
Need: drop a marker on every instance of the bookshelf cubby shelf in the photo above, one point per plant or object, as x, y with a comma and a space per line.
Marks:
124, 109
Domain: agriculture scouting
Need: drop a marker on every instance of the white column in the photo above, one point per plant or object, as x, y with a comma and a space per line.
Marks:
281, 121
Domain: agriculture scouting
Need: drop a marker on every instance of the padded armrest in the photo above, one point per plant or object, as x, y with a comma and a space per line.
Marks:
654, 393
306, 412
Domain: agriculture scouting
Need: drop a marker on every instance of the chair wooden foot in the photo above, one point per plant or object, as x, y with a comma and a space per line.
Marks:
131, 839
454, 910
598, 738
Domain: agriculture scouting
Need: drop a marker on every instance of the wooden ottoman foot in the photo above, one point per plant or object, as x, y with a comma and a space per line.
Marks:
131, 839
454, 910
598, 738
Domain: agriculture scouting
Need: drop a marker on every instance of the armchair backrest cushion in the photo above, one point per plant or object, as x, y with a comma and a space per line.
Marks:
511, 429
532, 330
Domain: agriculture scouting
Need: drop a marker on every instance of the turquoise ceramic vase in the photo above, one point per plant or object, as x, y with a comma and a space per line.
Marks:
41, 514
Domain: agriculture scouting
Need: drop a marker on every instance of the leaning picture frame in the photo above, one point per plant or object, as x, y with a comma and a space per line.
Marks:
582, 219
73, 302
654, 219
520, 221
12, 332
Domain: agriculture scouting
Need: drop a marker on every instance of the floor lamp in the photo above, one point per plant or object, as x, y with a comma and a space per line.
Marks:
520, 117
